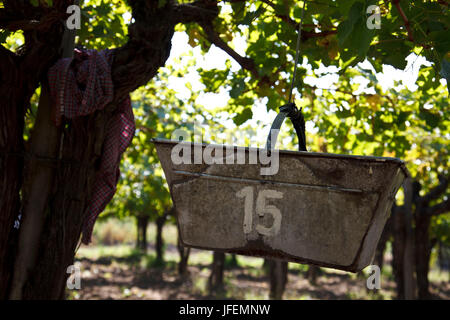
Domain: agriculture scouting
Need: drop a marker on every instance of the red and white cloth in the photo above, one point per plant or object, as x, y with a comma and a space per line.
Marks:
79, 86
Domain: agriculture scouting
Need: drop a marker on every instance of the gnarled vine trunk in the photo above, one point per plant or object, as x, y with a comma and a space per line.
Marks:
74, 171
184, 253
20, 73
81, 150
278, 275
217, 270
159, 243
11, 166
398, 250
141, 235
422, 254
422, 218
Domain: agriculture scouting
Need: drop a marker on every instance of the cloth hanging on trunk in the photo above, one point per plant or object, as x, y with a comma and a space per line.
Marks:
79, 86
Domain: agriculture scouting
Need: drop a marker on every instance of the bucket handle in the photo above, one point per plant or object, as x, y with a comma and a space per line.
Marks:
288, 110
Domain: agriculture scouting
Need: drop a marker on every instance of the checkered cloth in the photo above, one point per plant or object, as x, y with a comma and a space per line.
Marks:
79, 87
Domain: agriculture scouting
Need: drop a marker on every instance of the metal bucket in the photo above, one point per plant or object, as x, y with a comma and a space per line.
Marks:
319, 208
316, 208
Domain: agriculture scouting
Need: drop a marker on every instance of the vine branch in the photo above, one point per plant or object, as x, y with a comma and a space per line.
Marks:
405, 19
440, 208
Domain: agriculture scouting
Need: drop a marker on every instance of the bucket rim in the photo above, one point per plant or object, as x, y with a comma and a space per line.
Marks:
397, 161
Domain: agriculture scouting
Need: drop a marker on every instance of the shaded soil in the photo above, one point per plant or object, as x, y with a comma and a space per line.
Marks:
129, 278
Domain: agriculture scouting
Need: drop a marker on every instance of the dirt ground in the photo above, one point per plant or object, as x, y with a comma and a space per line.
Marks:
139, 277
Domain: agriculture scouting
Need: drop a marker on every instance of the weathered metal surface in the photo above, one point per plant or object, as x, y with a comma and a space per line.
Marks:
319, 208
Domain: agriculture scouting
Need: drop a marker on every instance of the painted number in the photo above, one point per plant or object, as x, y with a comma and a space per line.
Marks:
247, 193
261, 209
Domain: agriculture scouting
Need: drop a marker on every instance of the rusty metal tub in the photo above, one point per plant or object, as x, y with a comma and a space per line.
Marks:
317, 208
